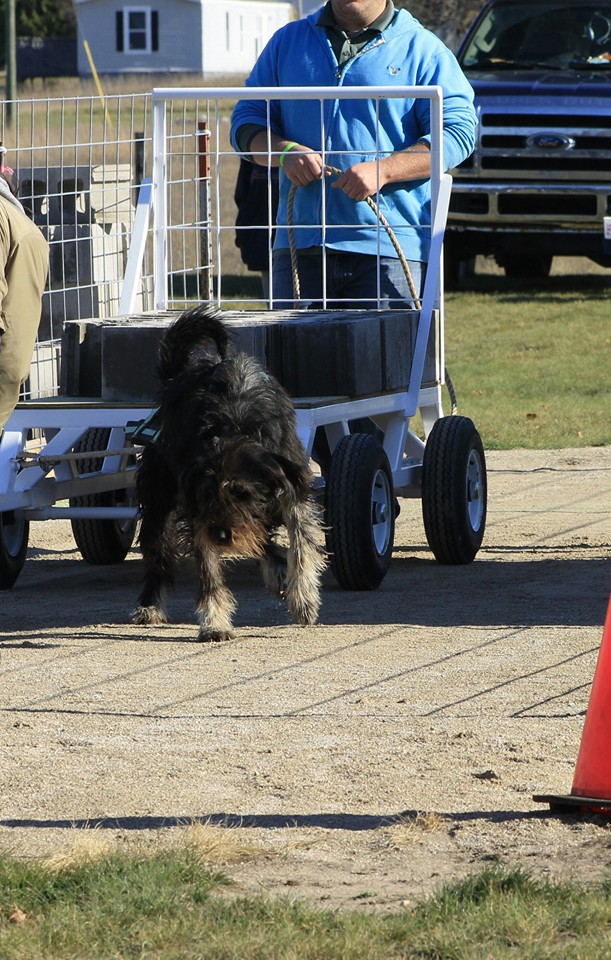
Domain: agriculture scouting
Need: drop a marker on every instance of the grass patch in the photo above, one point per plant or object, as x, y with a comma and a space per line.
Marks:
530, 366
410, 829
168, 906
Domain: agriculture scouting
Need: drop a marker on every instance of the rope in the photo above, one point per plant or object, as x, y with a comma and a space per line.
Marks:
452, 393
393, 239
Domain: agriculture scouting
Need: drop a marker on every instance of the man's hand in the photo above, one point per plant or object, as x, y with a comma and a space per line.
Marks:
302, 165
361, 180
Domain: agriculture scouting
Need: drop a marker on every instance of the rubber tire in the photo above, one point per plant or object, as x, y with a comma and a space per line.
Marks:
101, 542
13, 549
528, 268
454, 520
360, 555
456, 272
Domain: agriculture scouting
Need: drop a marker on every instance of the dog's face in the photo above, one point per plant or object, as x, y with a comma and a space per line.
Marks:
236, 494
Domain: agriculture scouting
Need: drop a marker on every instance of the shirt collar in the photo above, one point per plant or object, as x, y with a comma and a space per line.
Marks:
327, 18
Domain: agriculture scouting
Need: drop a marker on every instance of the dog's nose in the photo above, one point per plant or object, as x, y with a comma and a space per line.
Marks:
220, 535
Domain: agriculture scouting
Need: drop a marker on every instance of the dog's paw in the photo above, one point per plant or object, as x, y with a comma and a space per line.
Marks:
303, 612
148, 615
209, 635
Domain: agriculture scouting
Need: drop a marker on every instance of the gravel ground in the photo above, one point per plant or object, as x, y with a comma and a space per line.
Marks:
393, 747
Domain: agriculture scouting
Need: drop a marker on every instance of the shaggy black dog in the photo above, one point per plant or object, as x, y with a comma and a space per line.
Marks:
227, 472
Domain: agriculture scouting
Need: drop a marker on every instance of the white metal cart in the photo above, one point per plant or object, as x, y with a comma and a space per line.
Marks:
67, 456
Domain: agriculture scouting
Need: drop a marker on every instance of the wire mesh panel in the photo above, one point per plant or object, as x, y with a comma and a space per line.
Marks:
77, 161
80, 163
211, 109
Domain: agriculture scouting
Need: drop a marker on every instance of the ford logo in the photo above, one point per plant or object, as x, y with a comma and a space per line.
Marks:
550, 141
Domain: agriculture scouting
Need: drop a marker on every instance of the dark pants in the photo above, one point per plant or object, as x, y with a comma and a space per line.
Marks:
352, 281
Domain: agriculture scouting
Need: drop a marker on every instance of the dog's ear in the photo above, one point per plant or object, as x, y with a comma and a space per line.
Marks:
297, 474
277, 473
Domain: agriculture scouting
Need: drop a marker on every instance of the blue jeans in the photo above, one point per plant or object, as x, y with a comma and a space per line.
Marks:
352, 281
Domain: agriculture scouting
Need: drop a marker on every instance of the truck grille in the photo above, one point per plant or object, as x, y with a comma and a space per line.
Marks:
527, 204
544, 145
543, 205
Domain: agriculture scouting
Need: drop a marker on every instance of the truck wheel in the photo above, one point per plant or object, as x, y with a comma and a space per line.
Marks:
101, 542
14, 532
360, 512
456, 271
527, 267
454, 490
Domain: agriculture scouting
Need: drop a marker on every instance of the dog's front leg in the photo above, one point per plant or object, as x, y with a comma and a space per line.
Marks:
157, 495
215, 603
158, 549
273, 569
305, 563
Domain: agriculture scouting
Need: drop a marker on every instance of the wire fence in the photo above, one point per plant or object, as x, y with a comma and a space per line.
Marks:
80, 163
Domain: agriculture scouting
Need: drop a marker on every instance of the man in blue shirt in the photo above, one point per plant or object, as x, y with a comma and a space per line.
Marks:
382, 145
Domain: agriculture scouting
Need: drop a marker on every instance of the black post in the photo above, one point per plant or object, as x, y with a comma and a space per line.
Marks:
10, 45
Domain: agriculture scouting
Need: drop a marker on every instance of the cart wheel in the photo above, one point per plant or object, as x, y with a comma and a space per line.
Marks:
101, 542
454, 490
14, 532
522, 267
360, 507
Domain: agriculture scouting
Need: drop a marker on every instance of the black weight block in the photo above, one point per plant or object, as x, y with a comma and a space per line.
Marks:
129, 360
352, 353
315, 352
330, 353
398, 331
81, 359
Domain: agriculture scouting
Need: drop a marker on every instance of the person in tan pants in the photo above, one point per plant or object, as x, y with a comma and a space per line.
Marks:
24, 262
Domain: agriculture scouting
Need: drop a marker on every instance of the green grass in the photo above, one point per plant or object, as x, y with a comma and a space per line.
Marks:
531, 366
167, 906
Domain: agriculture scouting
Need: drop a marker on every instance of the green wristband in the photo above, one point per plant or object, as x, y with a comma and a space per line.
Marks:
288, 147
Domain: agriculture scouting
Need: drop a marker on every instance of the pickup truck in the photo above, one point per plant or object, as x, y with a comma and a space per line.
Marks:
538, 184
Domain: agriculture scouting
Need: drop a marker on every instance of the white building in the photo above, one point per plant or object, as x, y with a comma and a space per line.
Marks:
185, 36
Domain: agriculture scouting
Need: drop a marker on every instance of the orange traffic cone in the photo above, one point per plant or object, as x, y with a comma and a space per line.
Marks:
591, 789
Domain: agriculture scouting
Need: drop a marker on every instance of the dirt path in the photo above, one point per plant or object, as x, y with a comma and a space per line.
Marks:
452, 693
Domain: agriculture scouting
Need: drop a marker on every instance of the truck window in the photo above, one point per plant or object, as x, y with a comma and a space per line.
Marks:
548, 35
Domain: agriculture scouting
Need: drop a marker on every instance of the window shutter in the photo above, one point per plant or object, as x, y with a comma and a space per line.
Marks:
119, 25
155, 30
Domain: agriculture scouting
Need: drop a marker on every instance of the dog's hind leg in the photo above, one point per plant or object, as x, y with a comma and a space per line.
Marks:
273, 569
156, 492
215, 602
305, 563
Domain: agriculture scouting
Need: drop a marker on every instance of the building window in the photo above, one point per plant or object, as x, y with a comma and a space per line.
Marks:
137, 30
